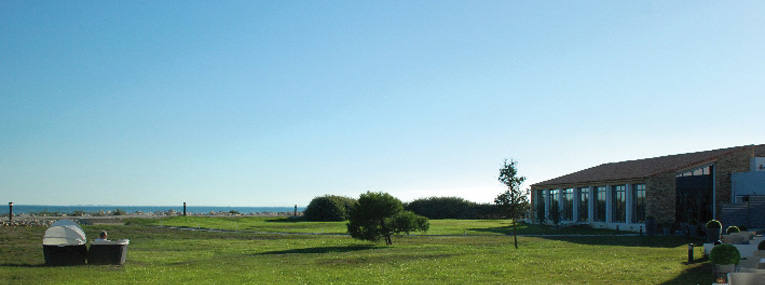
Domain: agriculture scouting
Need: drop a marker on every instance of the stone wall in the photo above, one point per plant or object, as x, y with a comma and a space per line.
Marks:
660, 196
738, 161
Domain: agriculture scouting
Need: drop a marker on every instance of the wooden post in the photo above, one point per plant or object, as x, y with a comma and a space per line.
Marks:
184, 209
295, 211
10, 212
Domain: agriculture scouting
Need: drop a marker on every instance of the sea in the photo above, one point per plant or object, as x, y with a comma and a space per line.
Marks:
28, 209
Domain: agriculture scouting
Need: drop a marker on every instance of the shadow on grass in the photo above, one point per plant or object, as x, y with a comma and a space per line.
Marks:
697, 274
21, 265
322, 249
291, 219
642, 241
395, 258
534, 229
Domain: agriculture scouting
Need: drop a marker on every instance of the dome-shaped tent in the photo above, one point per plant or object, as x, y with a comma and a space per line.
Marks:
64, 233
64, 244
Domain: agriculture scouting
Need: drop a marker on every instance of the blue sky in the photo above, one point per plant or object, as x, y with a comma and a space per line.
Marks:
259, 103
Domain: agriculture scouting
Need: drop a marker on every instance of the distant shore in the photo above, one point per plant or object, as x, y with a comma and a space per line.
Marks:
38, 219
101, 210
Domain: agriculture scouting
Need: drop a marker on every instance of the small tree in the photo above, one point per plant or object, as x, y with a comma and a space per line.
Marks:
380, 215
513, 202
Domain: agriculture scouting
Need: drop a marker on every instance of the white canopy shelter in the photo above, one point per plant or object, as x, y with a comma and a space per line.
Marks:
64, 233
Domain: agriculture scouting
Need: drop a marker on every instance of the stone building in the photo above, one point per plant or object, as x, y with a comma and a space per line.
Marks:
683, 188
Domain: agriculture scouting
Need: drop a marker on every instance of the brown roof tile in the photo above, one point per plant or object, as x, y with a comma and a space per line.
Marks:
641, 168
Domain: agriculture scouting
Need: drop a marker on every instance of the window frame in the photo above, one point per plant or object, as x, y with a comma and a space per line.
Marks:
619, 203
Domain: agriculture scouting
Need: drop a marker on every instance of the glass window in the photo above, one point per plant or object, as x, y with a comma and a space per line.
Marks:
540, 205
568, 205
600, 204
618, 203
584, 200
638, 202
707, 170
554, 205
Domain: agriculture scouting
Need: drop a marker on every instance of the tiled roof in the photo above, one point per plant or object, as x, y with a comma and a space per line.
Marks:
641, 168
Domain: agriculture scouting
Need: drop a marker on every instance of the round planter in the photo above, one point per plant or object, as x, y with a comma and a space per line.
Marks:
725, 268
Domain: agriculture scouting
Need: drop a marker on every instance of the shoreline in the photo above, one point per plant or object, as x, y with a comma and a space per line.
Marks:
25, 219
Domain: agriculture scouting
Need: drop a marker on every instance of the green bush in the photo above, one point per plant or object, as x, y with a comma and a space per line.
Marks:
440, 207
761, 246
380, 215
714, 224
406, 221
732, 229
724, 254
329, 208
451, 208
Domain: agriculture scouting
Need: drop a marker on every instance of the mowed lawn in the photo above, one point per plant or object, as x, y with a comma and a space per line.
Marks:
288, 225
161, 255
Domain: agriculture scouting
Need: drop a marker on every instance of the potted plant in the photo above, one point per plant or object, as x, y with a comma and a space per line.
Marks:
732, 229
650, 225
724, 257
760, 250
713, 230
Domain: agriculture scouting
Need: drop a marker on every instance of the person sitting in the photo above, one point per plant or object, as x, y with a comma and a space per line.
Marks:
102, 238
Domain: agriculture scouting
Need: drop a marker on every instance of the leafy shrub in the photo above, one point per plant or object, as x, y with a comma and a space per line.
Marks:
714, 224
380, 215
329, 208
732, 229
451, 208
406, 221
440, 207
118, 212
724, 254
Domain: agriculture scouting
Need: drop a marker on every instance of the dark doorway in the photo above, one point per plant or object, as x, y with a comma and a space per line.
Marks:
693, 204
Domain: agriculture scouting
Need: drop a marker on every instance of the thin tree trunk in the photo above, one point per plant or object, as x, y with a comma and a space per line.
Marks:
388, 241
515, 233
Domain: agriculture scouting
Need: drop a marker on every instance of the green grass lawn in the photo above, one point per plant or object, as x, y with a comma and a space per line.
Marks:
161, 255
287, 225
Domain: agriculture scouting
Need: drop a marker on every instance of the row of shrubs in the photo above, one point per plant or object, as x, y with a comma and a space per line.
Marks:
726, 253
452, 208
715, 224
337, 208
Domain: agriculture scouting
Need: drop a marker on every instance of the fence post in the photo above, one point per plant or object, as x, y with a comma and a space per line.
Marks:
184, 209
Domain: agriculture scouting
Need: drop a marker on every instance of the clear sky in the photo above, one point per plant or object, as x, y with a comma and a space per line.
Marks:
270, 103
